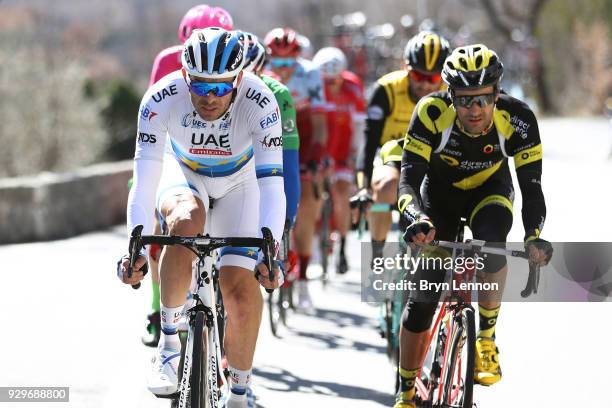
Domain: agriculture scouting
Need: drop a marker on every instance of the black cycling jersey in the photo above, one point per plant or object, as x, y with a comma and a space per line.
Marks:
435, 145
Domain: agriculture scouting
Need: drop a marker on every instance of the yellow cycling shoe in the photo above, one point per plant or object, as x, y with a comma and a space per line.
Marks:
403, 402
486, 364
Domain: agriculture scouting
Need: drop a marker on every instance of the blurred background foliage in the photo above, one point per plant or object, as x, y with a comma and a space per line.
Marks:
72, 72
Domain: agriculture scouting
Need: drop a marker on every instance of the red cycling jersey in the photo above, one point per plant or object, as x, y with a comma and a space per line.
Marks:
342, 109
167, 61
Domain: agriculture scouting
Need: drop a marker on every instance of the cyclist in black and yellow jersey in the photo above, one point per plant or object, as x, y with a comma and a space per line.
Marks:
389, 112
457, 146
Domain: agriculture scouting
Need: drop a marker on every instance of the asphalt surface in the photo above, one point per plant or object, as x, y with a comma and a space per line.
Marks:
67, 321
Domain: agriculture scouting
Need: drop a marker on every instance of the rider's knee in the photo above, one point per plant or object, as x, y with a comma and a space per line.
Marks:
492, 224
386, 190
185, 219
417, 316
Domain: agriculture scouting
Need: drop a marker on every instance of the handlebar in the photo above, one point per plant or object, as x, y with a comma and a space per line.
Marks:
202, 246
361, 202
533, 280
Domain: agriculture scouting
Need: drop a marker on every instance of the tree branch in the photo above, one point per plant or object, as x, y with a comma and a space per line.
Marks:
511, 11
534, 15
496, 21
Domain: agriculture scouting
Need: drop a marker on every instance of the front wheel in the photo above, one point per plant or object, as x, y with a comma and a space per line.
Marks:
197, 382
459, 362
275, 307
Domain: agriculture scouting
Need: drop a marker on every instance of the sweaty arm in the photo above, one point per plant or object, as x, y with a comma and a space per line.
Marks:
266, 129
378, 111
148, 157
527, 153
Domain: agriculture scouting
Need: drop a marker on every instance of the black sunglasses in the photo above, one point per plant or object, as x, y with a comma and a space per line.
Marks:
466, 101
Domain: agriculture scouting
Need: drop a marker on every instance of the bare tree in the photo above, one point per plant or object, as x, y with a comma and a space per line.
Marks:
506, 19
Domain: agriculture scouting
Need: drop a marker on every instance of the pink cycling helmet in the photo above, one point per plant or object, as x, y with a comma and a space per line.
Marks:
204, 16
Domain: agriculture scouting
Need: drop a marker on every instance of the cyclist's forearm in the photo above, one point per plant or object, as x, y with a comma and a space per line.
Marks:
273, 205
365, 160
141, 200
534, 205
411, 176
291, 174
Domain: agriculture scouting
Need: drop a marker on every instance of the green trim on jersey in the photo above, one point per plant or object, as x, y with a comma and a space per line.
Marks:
291, 140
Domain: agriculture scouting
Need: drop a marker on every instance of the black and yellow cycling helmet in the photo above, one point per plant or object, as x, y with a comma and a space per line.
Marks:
472, 66
426, 52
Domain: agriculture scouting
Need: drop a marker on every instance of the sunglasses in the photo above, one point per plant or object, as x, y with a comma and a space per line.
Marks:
282, 62
421, 77
467, 101
217, 88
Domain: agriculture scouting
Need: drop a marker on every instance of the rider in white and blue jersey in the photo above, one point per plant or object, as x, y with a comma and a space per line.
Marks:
204, 132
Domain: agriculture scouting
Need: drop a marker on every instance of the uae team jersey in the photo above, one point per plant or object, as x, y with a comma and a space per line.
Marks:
248, 135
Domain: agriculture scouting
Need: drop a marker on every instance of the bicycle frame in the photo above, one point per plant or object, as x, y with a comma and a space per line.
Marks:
204, 311
447, 317
205, 300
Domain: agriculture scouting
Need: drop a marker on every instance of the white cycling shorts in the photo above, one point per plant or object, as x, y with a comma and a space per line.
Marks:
235, 212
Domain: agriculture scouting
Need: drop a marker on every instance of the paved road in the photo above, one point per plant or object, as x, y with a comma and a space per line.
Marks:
67, 321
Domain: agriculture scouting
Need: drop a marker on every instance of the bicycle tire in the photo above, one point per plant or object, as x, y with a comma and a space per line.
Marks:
198, 384
283, 304
324, 244
431, 371
274, 310
458, 392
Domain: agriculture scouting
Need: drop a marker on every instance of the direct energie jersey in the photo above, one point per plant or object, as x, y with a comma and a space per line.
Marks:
436, 145
388, 115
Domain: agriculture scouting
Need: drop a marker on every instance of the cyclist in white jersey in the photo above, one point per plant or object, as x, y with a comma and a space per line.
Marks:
206, 131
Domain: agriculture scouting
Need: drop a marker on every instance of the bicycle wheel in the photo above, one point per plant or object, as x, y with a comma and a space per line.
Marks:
325, 243
429, 380
275, 307
459, 363
198, 384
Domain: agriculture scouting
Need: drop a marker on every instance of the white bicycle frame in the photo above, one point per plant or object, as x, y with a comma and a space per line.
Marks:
206, 293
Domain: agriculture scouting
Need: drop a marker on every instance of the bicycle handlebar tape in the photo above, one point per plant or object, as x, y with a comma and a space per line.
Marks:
134, 250
268, 248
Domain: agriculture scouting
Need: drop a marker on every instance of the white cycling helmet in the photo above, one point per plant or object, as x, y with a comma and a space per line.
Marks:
331, 61
214, 53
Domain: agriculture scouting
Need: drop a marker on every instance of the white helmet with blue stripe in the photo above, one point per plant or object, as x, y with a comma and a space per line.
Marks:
214, 53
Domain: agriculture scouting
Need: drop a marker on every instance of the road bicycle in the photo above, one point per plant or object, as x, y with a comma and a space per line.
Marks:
202, 379
447, 377
280, 302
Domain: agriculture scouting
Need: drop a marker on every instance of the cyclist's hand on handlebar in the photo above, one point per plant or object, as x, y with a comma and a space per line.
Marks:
263, 277
540, 251
363, 195
137, 274
421, 231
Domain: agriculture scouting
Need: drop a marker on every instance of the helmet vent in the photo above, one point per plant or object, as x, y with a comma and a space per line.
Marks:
478, 61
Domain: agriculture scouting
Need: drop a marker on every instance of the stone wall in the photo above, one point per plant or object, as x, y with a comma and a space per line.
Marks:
51, 205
